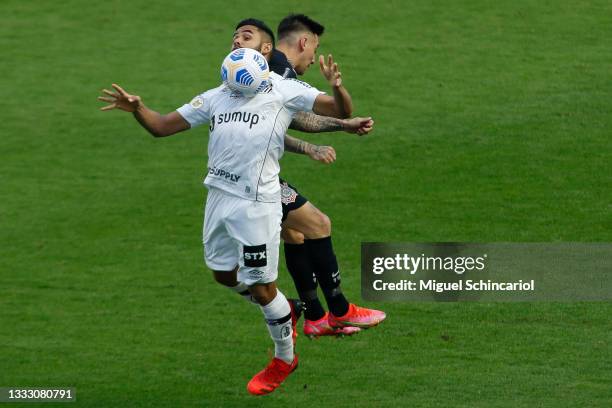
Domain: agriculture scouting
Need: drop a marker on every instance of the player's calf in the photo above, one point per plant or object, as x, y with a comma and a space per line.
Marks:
277, 312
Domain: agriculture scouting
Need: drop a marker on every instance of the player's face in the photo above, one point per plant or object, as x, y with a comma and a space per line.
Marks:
309, 50
247, 36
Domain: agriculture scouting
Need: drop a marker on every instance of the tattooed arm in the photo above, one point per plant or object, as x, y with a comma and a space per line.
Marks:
311, 123
323, 154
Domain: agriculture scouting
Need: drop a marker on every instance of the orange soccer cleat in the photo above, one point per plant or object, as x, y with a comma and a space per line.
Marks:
321, 327
268, 379
357, 317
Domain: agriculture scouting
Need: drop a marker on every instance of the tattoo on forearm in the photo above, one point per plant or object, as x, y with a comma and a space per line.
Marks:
311, 123
295, 145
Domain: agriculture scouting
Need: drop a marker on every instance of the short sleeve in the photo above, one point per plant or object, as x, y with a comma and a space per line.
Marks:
299, 96
196, 112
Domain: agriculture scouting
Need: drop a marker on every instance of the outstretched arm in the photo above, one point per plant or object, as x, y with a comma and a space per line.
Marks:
156, 124
323, 154
312, 123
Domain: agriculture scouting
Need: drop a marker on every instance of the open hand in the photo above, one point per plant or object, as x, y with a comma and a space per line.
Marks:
119, 100
330, 71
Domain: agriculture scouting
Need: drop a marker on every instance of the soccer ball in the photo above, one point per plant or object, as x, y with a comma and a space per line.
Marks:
245, 71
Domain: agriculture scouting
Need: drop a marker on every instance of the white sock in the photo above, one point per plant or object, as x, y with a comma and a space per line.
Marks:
243, 290
278, 319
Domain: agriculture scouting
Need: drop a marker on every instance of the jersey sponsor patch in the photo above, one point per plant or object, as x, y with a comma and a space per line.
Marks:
227, 175
196, 102
249, 118
255, 256
288, 195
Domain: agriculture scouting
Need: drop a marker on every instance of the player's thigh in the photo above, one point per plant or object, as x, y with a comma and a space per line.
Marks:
220, 249
291, 236
227, 277
256, 229
310, 221
291, 199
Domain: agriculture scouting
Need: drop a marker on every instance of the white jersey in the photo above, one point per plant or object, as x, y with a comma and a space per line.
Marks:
247, 134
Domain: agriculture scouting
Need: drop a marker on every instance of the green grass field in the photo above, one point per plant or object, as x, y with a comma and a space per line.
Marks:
492, 124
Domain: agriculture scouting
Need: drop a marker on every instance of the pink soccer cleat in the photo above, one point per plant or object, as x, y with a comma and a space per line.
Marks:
317, 328
357, 317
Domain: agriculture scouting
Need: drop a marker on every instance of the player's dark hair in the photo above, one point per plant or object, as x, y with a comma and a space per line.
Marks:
298, 22
259, 24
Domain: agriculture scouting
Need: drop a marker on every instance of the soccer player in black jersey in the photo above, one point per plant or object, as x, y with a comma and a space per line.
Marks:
306, 230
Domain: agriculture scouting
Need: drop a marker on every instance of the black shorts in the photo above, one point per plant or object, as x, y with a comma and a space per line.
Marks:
290, 198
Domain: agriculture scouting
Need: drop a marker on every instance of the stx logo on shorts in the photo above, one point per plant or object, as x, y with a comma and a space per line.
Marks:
255, 256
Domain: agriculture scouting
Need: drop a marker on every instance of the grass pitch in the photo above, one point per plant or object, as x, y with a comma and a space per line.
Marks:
492, 124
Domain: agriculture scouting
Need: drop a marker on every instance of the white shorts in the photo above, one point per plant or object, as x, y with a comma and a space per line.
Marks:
243, 233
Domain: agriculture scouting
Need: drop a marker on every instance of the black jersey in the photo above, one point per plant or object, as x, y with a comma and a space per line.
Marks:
281, 65
291, 199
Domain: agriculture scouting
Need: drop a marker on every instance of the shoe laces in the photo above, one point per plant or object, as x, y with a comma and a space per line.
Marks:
360, 311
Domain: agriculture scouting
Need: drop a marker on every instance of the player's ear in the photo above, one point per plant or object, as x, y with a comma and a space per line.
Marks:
266, 48
302, 43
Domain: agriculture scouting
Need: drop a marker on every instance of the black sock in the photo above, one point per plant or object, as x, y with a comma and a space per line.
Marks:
300, 269
326, 270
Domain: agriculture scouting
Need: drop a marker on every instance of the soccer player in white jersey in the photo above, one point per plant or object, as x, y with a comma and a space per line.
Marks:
243, 211
306, 232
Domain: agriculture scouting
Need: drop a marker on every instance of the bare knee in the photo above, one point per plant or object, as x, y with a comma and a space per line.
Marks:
291, 236
263, 293
309, 221
324, 225
319, 225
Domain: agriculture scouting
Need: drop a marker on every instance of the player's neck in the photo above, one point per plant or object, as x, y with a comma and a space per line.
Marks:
285, 49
